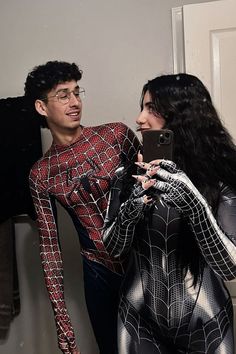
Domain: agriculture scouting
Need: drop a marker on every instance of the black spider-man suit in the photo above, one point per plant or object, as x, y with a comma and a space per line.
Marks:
79, 177
163, 308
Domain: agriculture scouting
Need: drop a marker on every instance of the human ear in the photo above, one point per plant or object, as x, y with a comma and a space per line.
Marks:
41, 107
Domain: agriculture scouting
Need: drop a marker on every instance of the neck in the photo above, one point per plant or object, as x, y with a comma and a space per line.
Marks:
66, 138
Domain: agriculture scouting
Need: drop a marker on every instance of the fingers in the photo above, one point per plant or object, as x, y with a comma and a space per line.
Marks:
145, 181
169, 166
155, 162
147, 199
161, 186
143, 165
152, 171
140, 157
164, 175
150, 168
166, 164
140, 178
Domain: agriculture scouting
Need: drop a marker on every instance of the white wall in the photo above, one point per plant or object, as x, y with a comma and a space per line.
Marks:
119, 45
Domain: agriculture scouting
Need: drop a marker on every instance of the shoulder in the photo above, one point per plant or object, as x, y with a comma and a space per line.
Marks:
41, 167
112, 127
116, 134
118, 130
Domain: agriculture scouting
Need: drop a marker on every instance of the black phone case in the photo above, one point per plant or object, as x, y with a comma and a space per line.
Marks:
157, 144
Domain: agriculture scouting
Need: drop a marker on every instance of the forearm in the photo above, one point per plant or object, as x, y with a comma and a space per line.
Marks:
118, 237
51, 259
53, 274
216, 246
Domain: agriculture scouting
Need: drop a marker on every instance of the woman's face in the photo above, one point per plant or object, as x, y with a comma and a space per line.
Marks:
148, 119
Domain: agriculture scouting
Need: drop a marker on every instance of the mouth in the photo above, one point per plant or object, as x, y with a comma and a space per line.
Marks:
140, 129
73, 114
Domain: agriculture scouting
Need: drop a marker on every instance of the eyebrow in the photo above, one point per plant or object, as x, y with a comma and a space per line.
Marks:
149, 104
67, 89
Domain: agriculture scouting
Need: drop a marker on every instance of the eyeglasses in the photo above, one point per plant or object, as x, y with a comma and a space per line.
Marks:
63, 96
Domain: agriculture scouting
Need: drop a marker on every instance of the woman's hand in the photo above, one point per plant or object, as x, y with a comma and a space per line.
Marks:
172, 185
177, 190
151, 168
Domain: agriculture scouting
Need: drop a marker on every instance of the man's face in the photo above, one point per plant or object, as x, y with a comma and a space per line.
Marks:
63, 108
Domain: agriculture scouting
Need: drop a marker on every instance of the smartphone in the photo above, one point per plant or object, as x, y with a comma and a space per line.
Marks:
157, 144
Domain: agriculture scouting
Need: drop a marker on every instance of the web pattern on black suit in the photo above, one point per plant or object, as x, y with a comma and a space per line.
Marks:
160, 310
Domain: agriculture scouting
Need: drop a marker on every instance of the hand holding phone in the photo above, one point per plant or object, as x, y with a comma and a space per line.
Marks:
157, 144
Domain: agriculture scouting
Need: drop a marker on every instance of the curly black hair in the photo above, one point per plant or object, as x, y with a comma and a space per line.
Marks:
44, 78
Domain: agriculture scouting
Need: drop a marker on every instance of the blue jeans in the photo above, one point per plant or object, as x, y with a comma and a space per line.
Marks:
101, 288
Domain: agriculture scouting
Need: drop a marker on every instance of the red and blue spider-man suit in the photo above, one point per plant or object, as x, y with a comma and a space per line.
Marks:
79, 177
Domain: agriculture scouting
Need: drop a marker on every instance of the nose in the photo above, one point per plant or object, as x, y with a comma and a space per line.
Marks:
74, 100
141, 118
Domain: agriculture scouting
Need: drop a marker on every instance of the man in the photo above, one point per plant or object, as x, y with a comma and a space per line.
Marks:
78, 171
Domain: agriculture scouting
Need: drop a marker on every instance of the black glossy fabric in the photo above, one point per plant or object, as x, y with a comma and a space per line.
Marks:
20, 147
161, 310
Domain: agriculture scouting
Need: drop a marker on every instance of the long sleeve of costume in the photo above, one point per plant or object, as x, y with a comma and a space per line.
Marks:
118, 237
216, 238
52, 263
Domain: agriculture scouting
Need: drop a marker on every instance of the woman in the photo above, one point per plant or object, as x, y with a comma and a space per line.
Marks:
178, 229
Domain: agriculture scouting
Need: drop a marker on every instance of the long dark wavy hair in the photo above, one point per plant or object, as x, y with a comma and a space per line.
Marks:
203, 148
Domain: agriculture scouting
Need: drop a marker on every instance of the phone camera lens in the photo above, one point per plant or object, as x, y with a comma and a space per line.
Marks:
162, 139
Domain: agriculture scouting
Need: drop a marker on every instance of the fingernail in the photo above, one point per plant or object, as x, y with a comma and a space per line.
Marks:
152, 181
142, 164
